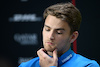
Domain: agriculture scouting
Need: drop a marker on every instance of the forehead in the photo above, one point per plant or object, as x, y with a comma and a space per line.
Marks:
55, 23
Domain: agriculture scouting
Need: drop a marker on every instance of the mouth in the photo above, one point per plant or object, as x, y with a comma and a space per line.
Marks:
50, 43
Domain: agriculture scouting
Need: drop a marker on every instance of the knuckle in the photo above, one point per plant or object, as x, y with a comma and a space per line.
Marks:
38, 52
41, 49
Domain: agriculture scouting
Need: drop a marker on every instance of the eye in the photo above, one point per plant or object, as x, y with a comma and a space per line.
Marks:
47, 29
59, 32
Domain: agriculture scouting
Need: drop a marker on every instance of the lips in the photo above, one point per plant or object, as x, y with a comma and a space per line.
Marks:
50, 43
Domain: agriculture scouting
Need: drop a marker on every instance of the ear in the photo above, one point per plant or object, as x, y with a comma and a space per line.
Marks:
74, 36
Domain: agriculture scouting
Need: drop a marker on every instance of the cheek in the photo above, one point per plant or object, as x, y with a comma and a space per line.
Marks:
61, 38
62, 44
63, 41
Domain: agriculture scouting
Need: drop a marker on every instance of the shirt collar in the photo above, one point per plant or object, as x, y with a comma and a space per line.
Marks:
65, 57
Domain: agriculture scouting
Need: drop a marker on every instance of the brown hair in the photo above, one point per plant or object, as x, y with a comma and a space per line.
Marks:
66, 12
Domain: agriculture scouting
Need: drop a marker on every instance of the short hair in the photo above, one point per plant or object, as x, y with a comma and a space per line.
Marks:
66, 12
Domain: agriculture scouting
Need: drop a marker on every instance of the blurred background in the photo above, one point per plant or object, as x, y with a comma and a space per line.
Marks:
21, 25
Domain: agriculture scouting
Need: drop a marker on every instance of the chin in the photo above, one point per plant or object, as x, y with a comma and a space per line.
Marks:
50, 50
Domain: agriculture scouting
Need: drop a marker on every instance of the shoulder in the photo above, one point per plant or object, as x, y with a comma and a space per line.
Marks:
83, 61
34, 61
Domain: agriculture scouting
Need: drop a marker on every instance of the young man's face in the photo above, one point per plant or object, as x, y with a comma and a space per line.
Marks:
56, 34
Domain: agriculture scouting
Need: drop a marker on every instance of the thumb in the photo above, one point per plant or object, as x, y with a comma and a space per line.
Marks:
55, 57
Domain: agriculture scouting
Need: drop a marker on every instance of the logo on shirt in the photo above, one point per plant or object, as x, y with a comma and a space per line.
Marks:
67, 58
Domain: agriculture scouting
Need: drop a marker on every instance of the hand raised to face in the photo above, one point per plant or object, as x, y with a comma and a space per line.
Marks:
45, 60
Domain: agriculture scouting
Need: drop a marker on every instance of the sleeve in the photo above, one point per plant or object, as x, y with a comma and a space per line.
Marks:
92, 64
31, 63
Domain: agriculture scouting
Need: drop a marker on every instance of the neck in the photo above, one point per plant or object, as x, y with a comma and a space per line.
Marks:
50, 53
62, 52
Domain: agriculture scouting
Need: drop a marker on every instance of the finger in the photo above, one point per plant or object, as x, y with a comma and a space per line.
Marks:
55, 57
38, 52
41, 53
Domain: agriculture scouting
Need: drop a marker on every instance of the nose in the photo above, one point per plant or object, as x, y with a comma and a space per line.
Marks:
51, 35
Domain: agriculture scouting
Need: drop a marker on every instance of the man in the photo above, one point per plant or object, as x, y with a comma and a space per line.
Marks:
62, 22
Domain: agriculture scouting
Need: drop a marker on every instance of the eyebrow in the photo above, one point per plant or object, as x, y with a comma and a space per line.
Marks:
57, 28
60, 29
46, 26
